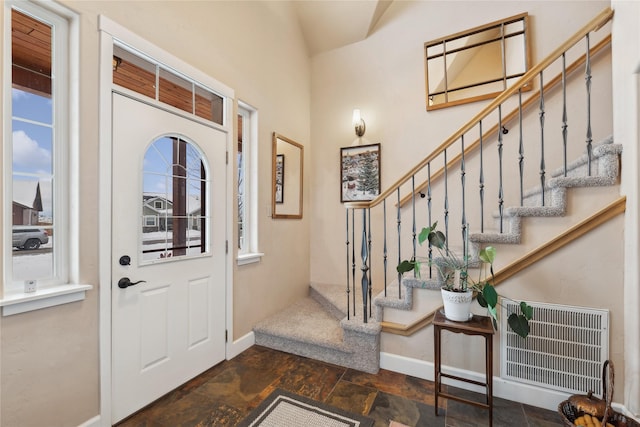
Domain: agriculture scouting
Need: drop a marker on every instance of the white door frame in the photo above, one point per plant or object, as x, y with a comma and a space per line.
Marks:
110, 31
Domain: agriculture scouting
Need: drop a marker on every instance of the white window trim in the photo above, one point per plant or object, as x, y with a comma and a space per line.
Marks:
14, 300
250, 254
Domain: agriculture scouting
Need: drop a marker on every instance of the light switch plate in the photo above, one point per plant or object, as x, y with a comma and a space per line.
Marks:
30, 286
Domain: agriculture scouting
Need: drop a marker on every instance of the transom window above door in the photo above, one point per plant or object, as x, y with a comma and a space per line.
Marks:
142, 75
174, 216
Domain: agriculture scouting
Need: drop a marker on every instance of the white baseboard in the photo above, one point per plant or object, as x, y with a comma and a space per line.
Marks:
93, 422
510, 390
238, 346
524, 393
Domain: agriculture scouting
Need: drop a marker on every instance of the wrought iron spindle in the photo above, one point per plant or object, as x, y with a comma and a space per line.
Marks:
481, 179
446, 199
348, 284
564, 113
588, 83
384, 248
369, 239
429, 214
364, 255
413, 219
542, 164
399, 225
521, 148
500, 180
353, 258
462, 183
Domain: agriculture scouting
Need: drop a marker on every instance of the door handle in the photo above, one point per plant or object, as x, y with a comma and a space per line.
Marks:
125, 282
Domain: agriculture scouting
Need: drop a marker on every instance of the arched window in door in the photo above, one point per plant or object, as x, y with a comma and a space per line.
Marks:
174, 200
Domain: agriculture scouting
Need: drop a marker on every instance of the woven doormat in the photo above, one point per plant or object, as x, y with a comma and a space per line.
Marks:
285, 409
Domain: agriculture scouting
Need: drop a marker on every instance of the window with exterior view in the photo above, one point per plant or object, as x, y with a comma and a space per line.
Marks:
35, 170
174, 206
247, 181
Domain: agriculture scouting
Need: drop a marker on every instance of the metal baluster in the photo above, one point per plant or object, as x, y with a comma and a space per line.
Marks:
413, 209
348, 290
364, 254
564, 113
370, 258
446, 199
353, 258
429, 214
399, 224
384, 249
542, 164
462, 182
588, 83
521, 148
481, 181
500, 180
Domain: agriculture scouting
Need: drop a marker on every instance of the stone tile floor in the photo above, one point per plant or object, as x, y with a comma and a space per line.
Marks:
226, 393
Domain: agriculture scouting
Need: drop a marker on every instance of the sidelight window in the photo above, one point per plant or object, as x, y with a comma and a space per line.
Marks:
40, 157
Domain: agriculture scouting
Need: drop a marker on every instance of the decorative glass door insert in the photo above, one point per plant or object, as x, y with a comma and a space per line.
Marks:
174, 203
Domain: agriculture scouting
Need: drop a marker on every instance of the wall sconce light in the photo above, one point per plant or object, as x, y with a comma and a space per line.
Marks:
358, 123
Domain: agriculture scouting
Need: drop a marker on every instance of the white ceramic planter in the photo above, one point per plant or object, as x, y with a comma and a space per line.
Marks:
457, 305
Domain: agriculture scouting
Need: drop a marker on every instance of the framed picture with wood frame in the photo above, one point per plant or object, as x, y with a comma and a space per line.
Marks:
359, 172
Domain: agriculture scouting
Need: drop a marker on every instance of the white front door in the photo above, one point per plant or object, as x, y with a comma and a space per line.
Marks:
169, 235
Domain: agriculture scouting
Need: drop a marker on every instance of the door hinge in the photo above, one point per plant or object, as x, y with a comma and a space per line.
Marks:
226, 246
226, 335
227, 157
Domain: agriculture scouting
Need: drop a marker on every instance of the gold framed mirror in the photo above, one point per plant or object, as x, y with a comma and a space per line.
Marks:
478, 63
286, 178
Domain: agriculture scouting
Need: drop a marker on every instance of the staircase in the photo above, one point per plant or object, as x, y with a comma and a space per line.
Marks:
324, 325
317, 325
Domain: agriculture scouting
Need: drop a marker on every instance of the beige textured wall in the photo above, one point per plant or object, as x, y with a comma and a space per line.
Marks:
50, 358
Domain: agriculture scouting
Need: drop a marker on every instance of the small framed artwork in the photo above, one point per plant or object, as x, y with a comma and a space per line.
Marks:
280, 178
359, 172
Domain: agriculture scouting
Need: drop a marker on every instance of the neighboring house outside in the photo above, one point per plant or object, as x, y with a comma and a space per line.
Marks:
27, 202
157, 212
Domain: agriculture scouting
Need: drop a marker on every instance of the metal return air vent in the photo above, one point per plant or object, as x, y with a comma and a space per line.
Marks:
564, 351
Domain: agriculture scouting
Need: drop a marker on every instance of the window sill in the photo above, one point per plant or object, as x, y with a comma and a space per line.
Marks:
21, 302
249, 258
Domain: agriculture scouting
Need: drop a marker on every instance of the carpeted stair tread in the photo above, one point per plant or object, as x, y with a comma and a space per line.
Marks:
305, 321
331, 297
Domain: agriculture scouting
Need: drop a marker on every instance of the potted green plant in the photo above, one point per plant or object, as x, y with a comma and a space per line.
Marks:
458, 288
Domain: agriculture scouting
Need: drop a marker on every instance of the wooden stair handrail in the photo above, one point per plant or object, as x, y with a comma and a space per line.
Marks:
596, 23
610, 211
509, 117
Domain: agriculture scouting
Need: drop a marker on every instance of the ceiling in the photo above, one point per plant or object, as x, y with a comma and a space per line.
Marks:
325, 24
329, 24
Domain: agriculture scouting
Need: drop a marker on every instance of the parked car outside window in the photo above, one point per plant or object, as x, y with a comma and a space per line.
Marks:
29, 239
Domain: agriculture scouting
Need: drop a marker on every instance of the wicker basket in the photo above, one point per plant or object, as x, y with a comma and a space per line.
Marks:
570, 413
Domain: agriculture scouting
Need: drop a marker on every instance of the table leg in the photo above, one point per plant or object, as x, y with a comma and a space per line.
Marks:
489, 372
436, 341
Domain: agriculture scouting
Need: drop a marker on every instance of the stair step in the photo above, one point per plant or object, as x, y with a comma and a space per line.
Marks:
306, 321
332, 297
307, 328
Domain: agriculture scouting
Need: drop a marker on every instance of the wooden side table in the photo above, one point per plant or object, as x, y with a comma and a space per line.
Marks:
478, 325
